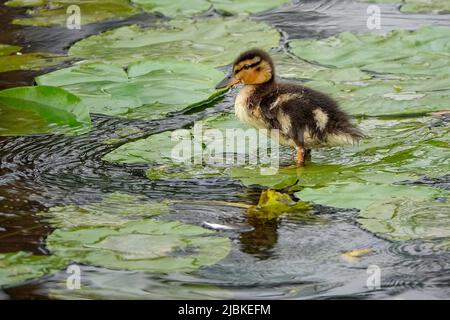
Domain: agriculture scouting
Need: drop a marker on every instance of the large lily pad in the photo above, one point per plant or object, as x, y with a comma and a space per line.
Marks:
148, 89
214, 41
17, 267
388, 97
147, 245
417, 61
406, 219
352, 194
114, 210
426, 50
394, 151
176, 155
41, 109
12, 59
172, 8
54, 12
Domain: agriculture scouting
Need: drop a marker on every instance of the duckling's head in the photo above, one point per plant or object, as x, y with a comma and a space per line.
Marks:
251, 67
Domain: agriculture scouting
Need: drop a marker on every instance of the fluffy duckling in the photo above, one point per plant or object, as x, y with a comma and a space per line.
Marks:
305, 118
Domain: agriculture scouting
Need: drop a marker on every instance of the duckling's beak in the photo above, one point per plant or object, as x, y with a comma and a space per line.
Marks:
228, 81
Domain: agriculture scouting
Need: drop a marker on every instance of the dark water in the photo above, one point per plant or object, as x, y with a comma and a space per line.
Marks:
279, 259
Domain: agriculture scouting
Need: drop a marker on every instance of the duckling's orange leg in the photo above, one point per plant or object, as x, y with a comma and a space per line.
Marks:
300, 156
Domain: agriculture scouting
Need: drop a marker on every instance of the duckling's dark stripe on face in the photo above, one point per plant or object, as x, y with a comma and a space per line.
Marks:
248, 66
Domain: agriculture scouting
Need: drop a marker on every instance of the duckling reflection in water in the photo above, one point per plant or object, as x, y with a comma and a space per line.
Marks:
305, 118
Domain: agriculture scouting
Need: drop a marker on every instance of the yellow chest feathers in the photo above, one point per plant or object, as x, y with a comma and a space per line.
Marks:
244, 113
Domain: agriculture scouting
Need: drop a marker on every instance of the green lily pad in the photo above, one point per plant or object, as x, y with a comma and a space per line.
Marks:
161, 148
146, 245
172, 8
17, 267
387, 97
407, 219
149, 89
114, 210
351, 194
426, 50
41, 109
12, 59
54, 12
213, 41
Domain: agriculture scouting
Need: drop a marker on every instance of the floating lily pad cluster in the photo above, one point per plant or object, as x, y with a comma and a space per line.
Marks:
117, 233
409, 70
56, 12
168, 67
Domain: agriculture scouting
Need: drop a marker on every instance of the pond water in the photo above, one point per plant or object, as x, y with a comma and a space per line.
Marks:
388, 196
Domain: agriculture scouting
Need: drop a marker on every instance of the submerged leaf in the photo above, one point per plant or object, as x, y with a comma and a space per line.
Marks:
176, 7
41, 109
406, 219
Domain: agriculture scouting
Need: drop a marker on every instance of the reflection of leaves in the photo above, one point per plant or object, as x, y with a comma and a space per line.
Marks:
147, 245
16, 267
114, 210
406, 219
149, 90
12, 59
213, 41
51, 12
41, 109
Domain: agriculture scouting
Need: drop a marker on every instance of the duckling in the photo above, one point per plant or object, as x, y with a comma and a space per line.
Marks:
305, 118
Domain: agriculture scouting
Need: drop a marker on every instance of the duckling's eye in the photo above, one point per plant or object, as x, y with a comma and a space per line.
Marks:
247, 66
